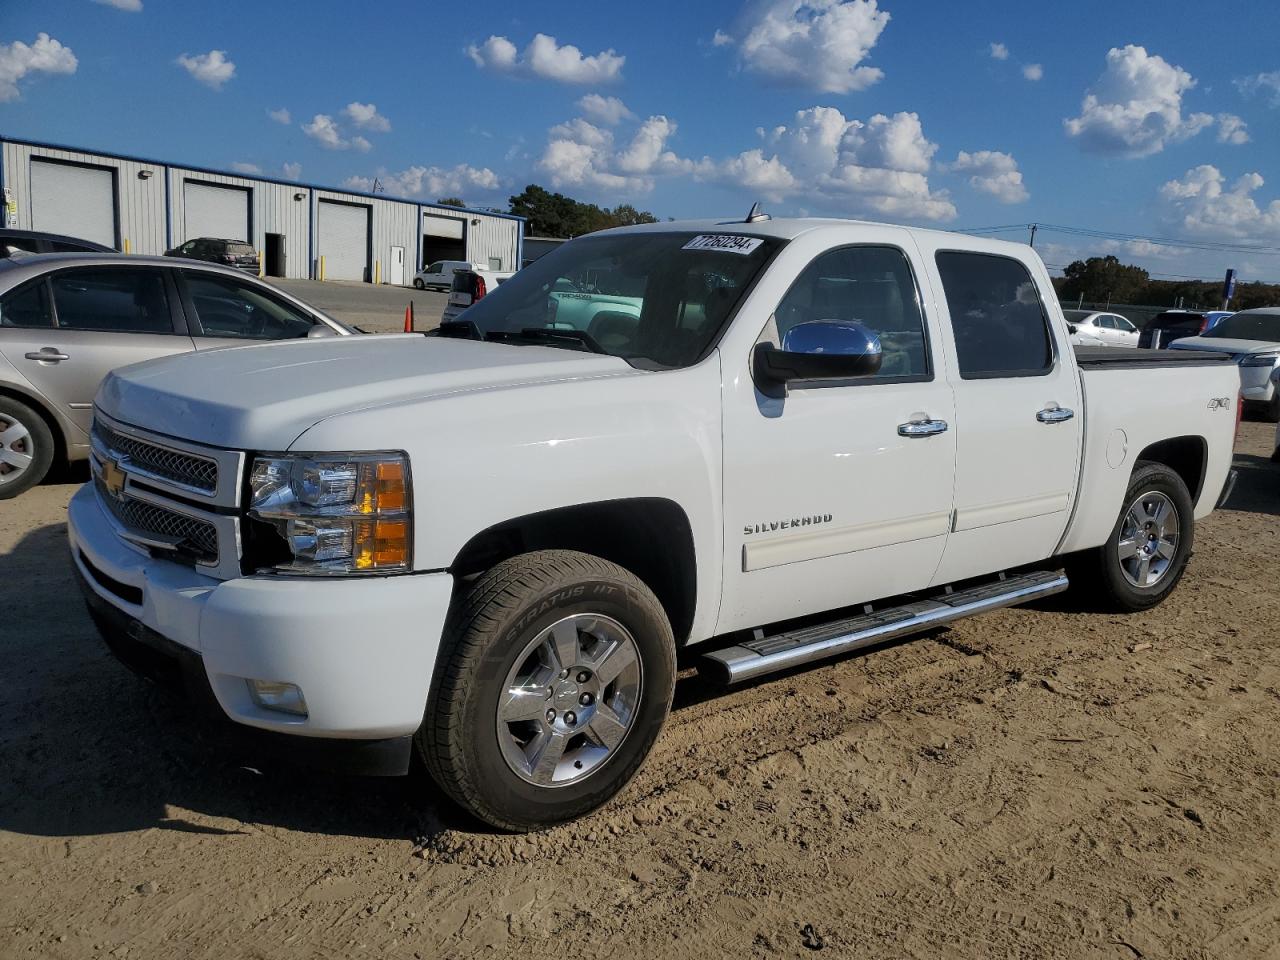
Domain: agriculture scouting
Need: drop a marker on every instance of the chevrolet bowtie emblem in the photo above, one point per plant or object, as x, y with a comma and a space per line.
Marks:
113, 478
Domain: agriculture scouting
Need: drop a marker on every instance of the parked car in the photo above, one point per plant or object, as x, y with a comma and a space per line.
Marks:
67, 319
231, 253
1111, 328
34, 241
439, 275
471, 286
1252, 339
1164, 328
817, 435
1083, 338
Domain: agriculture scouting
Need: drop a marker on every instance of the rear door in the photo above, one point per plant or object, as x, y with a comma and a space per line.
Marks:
224, 311
101, 318
1017, 410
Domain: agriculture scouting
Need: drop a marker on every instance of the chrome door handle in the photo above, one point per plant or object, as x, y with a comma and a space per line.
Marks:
48, 353
1055, 415
922, 428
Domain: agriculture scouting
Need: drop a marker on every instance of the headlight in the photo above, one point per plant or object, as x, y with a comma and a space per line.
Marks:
1259, 359
337, 513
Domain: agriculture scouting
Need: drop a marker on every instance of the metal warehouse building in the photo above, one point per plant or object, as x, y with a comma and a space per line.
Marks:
302, 230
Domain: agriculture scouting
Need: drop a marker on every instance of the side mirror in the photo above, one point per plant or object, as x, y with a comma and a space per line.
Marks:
319, 331
1072, 328
818, 350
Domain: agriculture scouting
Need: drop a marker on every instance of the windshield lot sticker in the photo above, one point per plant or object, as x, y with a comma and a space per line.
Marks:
728, 242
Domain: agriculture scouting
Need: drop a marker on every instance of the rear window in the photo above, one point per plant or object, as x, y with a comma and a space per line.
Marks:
1248, 326
27, 306
116, 299
1167, 320
996, 315
240, 249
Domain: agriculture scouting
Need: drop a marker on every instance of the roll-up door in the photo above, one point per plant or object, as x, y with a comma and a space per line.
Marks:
76, 200
443, 238
344, 240
213, 210
434, 226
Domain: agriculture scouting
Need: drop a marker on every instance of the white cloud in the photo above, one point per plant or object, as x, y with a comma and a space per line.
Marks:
280, 116
1135, 108
721, 39
366, 117
1033, 71
999, 51
129, 6
241, 167
814, 44
18, 60
608, 110
1201, 204
1261, 83
431, 182
325, 131
291, 171
546, 58
992, 172
213, 69
1232, 129
876, 166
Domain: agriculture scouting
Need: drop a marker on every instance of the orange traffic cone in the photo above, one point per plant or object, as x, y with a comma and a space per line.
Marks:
408, 318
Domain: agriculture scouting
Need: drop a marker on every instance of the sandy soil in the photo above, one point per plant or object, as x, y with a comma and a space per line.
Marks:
1034, 783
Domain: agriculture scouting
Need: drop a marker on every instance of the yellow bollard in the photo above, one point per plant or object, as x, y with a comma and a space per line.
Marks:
377, 271
322, 266
261, 272
126, 245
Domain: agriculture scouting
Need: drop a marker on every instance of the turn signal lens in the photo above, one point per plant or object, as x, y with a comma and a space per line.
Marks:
382, 544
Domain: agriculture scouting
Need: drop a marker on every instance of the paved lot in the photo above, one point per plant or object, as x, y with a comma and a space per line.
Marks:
1037, 782
372, 308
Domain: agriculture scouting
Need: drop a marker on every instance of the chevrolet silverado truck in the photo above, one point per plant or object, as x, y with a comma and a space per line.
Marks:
487, 545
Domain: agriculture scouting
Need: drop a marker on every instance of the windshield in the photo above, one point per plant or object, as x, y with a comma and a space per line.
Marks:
657, 300
1077, 316
1248, 326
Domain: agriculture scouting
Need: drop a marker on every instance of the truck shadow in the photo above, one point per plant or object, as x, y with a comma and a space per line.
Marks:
1258, 487
88, 748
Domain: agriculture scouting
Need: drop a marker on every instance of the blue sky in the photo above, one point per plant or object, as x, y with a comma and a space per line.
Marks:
1094, 115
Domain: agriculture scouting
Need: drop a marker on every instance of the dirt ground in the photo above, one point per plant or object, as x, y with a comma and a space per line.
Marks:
1032, 783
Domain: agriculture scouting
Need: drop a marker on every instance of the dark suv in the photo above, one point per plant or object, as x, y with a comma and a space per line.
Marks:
1162, 329
233, 253
33, 241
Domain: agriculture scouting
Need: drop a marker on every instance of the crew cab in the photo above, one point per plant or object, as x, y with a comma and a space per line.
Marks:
487, 545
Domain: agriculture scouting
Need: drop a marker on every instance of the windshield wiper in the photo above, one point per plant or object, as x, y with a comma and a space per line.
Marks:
550, 335
459, 329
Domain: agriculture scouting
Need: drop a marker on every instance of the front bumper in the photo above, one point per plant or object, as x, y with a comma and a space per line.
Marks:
362, 650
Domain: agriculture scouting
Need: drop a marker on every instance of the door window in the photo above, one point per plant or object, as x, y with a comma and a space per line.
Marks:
1123, 324
1107, 323
229, 308
27, 306
116, 299
998, 321
873, 285
434, 268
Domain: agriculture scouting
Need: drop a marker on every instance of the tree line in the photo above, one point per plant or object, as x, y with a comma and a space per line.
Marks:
1106, 279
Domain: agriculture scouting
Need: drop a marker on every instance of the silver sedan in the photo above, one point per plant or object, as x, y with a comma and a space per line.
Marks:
68, 319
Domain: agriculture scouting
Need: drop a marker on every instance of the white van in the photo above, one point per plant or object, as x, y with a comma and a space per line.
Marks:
439, 275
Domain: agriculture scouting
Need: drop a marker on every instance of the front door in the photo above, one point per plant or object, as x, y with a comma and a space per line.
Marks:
103, 317
838, 494
395, 267
1018, 410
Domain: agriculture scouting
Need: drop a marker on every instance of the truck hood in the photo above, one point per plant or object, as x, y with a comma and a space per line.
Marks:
264, 396
1221, 345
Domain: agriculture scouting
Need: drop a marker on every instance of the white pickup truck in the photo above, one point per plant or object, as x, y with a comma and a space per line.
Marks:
488, 545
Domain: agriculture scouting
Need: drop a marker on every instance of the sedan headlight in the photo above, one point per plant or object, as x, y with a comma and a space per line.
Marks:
1259, 359
337, 513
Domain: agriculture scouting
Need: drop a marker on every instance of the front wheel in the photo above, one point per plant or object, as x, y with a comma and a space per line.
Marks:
418, 284
556, 676
1148, 549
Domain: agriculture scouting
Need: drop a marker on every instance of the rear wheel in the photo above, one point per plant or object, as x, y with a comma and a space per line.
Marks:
26, 448
557, 674
1148, 549
417, 282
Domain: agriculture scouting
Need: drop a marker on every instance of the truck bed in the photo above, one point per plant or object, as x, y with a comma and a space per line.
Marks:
1112, 358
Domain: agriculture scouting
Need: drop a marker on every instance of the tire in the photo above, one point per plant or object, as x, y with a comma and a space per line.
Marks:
1105, 580
499, 640
26, 448
418, 284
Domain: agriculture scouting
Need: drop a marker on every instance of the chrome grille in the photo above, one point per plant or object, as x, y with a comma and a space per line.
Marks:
191, 536
199, 473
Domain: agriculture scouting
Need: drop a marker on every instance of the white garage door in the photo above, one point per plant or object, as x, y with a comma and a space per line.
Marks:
215, 211
442, 226
78, 201
344, 240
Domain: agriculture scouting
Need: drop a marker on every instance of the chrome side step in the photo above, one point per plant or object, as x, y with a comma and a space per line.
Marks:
754, 658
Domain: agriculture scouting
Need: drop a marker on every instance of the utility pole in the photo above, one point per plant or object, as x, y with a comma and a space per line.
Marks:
1034, 227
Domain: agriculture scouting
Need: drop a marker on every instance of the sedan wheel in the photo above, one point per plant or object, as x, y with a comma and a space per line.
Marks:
26, 448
